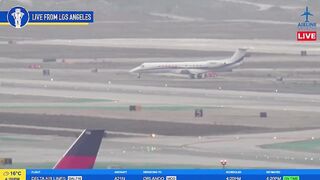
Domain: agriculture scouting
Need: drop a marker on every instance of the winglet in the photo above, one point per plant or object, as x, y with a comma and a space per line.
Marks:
83, 152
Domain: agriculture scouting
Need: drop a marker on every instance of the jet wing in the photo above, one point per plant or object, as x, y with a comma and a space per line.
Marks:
306, 14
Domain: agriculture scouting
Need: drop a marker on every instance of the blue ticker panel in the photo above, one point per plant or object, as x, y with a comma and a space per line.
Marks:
177, 174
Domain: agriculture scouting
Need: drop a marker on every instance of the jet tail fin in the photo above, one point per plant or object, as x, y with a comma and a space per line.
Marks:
83, 152
238, 56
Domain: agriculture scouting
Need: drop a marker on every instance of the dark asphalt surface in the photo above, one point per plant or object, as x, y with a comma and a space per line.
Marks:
123, 125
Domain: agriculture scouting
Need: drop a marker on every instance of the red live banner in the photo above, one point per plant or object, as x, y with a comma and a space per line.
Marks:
306, 36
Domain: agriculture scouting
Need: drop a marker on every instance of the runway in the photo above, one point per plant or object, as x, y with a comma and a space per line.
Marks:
73, 98
256, 46
205, 152
90, 86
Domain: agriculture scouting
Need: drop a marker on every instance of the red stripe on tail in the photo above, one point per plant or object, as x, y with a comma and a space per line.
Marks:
76, 162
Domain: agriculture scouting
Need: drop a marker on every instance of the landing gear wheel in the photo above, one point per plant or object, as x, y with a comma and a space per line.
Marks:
201, 76
192, 76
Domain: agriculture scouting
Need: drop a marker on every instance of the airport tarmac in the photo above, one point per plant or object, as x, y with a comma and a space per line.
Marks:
90, 86
73, 98
168, 151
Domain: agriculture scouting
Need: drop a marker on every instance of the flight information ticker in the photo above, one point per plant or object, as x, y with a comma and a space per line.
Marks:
159, 174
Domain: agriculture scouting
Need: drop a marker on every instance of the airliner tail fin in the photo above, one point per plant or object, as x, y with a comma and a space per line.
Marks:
83, 152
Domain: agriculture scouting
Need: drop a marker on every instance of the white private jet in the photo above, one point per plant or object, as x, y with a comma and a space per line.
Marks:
196, 69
